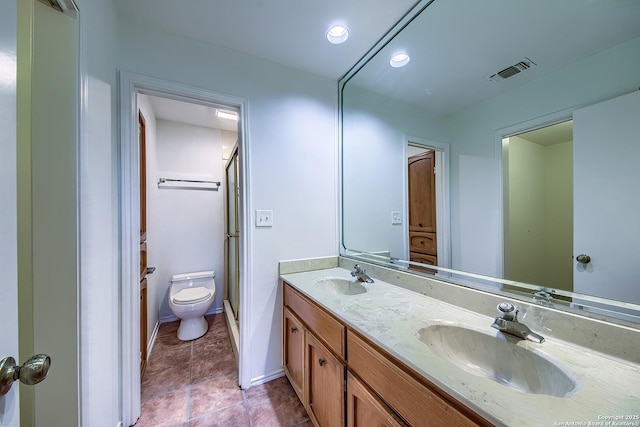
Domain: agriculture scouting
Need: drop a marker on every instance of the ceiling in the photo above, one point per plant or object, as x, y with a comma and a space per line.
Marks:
193, 114
550, 135
288, 32
456, 44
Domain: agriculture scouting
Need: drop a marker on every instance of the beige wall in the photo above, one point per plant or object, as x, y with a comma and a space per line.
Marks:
539, 230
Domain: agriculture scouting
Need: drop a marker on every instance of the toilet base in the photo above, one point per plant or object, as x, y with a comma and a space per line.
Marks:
193, 328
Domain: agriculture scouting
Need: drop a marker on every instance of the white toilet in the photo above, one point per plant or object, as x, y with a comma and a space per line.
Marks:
190, 296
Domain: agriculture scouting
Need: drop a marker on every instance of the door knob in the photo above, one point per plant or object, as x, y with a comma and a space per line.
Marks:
150, 270
583, 259
30, 372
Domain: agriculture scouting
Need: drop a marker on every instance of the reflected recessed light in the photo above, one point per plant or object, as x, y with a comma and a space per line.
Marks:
224, 114
399, 60
338, 34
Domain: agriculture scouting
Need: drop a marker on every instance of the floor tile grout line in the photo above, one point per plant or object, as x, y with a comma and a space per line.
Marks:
245, 402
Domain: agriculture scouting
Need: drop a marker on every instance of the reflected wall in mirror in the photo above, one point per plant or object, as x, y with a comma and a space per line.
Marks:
538, 206
479, 80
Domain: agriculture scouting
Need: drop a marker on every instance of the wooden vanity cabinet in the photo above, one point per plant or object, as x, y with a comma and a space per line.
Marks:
344, 379
319, 362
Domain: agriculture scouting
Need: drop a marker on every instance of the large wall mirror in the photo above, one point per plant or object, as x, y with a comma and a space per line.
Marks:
504, 153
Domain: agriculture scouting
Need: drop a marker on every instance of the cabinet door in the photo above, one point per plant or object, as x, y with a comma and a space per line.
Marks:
422, 192
325, 385
365, 409
294, 352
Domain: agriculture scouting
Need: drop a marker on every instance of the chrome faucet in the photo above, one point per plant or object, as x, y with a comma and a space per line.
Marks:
508, 323
359, 273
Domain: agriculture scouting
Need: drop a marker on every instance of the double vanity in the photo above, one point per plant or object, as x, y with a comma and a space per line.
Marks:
396, 352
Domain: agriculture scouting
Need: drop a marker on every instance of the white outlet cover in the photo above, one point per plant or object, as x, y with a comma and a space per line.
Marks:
396, 218
264, 218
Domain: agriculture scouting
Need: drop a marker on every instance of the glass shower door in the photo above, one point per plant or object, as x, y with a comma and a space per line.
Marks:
233, 235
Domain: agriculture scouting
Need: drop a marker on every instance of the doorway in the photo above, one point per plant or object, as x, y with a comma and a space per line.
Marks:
131, 85
538, 203
427, 234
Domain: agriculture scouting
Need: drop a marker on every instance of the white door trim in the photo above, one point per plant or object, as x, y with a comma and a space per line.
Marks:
129, 85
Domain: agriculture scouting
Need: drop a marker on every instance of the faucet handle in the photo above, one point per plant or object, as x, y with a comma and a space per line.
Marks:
509, 311
506, 307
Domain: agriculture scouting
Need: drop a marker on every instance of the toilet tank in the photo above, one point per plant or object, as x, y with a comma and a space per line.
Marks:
198, 278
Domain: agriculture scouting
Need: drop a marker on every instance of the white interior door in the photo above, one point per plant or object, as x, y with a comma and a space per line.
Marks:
9, 403
607, 198
48, 206
54, 166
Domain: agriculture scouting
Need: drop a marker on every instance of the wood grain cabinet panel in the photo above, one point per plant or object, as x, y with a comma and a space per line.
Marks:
422, 183
409, 398
365, 409
293, 334
325, 384
323, 325
423, 242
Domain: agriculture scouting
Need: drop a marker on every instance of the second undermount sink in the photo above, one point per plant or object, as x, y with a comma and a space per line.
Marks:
340, 286
500, 359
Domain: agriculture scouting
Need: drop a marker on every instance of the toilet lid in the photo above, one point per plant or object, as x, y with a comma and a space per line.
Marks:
191, 295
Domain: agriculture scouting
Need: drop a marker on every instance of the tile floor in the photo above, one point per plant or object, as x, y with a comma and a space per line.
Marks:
195, 383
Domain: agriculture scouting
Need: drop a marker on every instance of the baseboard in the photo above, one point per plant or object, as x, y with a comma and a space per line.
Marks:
152, 338
268, 377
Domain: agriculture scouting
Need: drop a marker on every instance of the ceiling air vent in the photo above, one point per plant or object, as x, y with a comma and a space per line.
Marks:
511, 71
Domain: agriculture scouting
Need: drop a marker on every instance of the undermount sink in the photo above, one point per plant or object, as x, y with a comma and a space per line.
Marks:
340, 286
500, 359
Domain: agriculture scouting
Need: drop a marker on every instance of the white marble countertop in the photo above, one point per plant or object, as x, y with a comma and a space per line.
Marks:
391, 316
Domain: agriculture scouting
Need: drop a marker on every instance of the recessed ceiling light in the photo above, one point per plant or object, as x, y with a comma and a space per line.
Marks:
224, 114
338, 34
399, 60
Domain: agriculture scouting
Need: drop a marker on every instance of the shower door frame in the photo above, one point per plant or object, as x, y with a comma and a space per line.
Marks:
234, 160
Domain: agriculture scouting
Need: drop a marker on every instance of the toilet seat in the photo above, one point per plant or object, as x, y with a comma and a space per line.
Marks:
191, 295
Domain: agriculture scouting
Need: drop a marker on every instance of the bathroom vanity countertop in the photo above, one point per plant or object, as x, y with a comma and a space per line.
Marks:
391, 316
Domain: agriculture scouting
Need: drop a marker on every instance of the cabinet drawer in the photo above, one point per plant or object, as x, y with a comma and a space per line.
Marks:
365, 409
323, 325
412, 400
423, 259
423, 242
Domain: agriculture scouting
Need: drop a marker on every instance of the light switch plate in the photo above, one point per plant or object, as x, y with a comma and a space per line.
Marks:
396, 218
264, 218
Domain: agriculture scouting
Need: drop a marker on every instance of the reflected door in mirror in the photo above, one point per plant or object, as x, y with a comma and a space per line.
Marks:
422, 208
606, 204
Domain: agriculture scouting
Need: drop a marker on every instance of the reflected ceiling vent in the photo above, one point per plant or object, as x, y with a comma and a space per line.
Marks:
511, 71
68, 7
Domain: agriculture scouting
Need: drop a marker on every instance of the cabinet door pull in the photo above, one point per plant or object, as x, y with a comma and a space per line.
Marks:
294, 329
321, 362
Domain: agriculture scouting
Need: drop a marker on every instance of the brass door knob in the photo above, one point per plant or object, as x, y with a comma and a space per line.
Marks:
31, 372
583, 259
